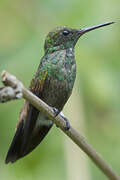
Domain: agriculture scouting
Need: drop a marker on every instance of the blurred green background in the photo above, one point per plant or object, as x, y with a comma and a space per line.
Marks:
94, 107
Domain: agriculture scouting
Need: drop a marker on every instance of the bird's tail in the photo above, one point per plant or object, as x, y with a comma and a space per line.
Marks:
23, 143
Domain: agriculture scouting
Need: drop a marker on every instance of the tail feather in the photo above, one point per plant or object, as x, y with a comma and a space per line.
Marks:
27, 135
36, 139
29, 126
14, 150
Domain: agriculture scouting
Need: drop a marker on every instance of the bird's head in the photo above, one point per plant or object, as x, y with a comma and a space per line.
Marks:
65, 37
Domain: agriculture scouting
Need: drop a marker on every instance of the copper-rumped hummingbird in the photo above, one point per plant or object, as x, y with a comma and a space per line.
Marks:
53, 83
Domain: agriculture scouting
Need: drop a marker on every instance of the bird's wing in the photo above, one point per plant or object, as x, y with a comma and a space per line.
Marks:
32, 113
23, 139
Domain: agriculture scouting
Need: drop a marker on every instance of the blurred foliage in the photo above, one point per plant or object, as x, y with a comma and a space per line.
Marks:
24, 25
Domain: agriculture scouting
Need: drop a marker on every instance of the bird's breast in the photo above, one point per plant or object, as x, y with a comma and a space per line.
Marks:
61, 81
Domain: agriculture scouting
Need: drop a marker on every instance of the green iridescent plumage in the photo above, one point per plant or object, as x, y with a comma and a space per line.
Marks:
53, 83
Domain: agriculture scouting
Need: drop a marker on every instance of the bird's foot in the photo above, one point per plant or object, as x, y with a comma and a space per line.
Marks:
67, 125
56, 111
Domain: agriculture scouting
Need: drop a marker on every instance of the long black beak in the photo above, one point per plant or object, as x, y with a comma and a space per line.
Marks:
85, 30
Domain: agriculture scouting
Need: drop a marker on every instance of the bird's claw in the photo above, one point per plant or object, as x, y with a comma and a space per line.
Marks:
67, 125
56, 111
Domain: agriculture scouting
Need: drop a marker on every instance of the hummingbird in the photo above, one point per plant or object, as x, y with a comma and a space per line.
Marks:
53, 83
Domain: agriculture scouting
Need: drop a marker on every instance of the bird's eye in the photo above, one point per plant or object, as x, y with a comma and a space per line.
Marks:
65, 32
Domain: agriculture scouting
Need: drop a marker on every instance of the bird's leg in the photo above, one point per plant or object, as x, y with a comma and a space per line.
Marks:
56, 111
